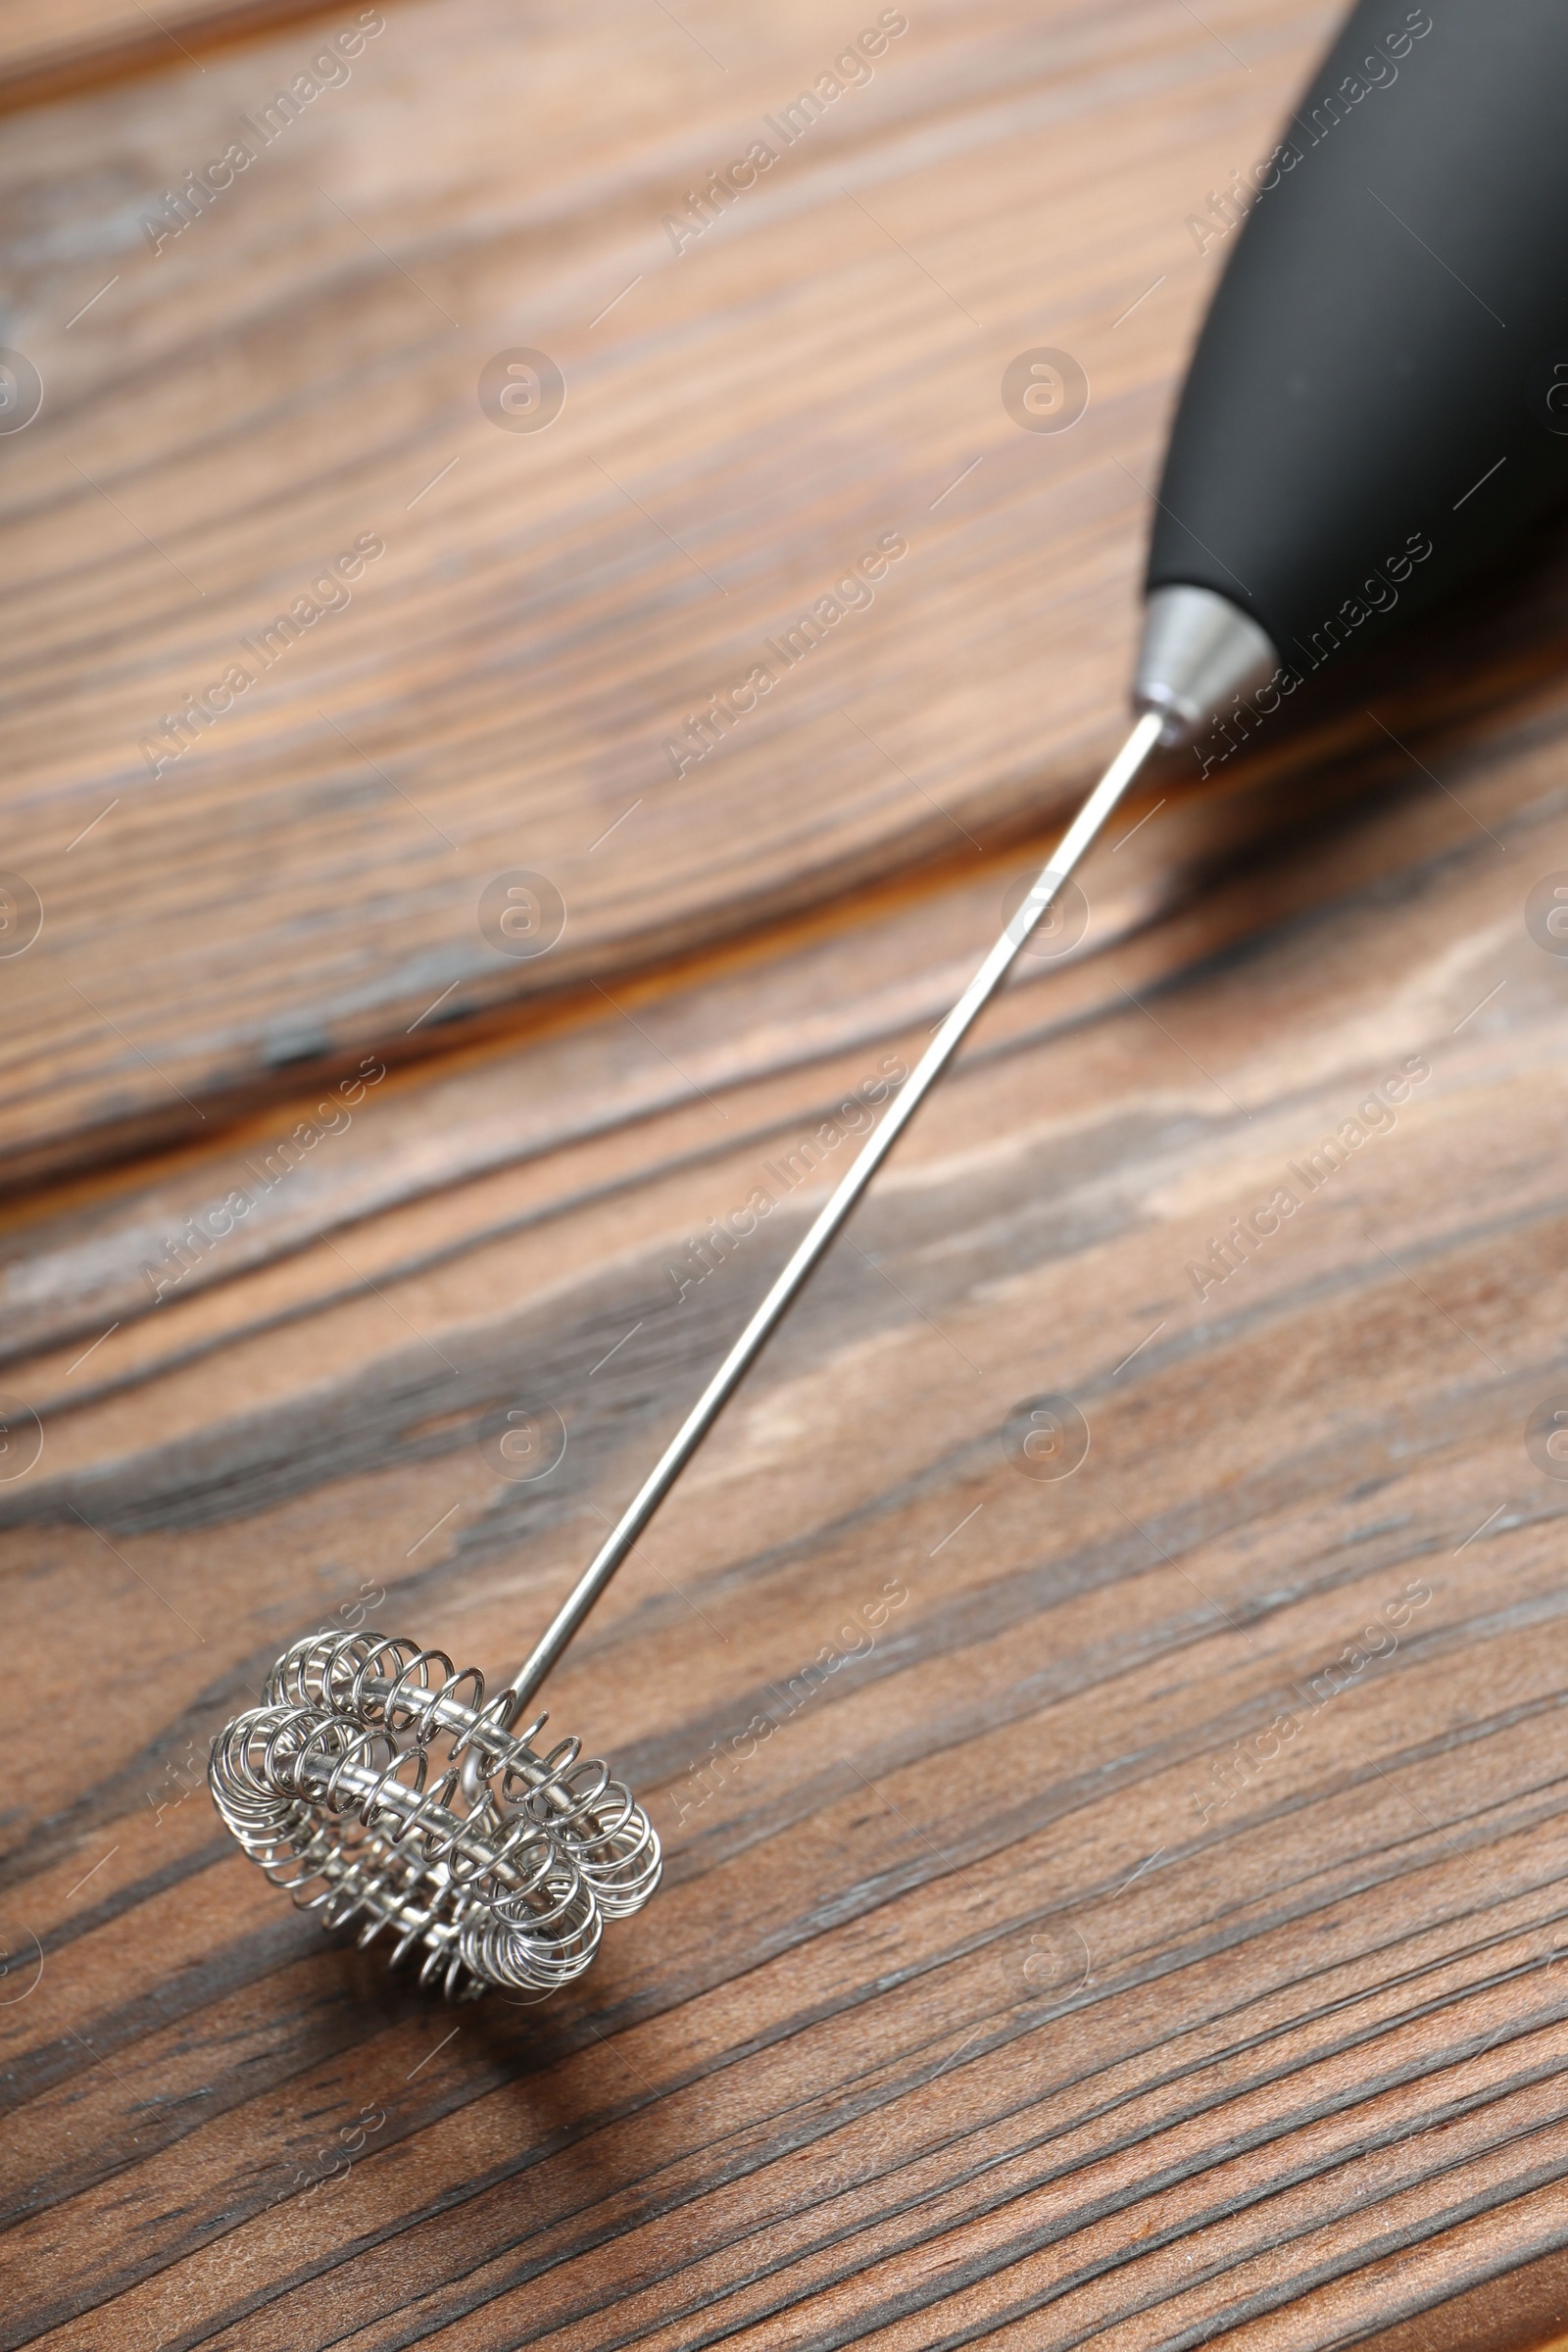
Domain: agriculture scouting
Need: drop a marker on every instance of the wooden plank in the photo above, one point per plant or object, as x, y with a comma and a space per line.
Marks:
554, 1093
1015, 1987
226, 415
294, 371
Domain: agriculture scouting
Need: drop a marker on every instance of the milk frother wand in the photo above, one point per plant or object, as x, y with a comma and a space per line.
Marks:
1375, 411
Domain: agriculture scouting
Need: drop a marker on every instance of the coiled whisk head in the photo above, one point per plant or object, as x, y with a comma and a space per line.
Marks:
347, 1787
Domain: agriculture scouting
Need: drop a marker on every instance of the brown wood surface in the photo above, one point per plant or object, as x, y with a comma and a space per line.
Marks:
297, 367
1011, 1992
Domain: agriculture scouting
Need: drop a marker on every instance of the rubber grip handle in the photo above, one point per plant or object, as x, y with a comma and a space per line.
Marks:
1384, 364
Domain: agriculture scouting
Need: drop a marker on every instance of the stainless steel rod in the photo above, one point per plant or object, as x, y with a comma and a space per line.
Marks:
1072, 846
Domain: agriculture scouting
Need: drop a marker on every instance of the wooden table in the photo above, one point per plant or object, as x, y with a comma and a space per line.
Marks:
1141, 1922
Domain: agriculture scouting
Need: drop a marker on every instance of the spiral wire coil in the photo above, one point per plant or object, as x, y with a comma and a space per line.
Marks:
347, 1787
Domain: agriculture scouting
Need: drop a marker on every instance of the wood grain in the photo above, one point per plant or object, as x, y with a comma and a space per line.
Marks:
1023, 1986
840, 2081
296, 370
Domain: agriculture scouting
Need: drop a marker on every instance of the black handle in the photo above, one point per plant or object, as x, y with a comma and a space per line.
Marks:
1378, 404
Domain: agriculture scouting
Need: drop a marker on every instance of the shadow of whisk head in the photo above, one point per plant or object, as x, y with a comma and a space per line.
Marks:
347, 1787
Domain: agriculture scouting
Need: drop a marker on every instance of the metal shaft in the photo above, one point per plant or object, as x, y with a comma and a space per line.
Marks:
1073, 845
